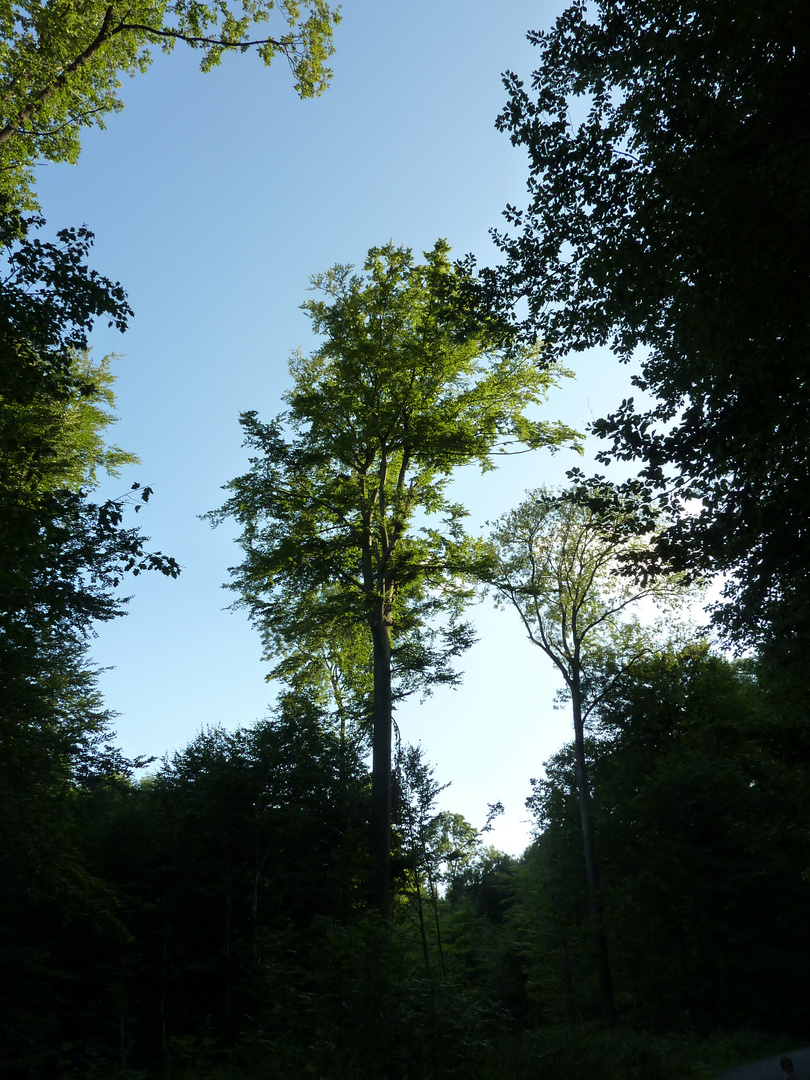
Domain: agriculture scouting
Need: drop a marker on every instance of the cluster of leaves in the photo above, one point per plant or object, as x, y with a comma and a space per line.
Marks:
566, 562
668, 217
400, 393
214, 919
193, 894
217, 913
214, 916
61, 63
63, 554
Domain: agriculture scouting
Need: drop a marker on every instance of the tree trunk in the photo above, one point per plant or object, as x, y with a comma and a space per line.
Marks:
591, 865
435, 900
381, 760
422, 930
228, 916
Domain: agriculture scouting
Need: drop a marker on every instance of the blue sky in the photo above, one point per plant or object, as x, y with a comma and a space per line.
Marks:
213, 198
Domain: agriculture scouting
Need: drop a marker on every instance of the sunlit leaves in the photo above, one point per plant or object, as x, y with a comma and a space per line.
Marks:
344, 503
565, 561
61, 63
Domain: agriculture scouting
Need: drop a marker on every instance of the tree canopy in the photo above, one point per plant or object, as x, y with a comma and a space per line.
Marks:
668, 212
218, 917
63, 554
61, 63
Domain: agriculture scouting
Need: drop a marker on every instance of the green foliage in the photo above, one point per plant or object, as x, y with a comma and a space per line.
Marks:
697, 789
556, 1054
231, 866
59, 442
61, 926
332, 669
238, 871
49, 301
346, 523
398, 396
61, 558
565, 564
668, 212
61, 62
209, 922
62, 555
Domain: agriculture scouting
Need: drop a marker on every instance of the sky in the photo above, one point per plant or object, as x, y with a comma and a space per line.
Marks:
213, 198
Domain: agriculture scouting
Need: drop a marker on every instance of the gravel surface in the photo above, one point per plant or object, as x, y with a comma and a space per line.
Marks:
769, 1069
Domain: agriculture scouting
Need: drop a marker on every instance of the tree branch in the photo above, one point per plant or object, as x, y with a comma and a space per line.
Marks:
104, 34
191, 39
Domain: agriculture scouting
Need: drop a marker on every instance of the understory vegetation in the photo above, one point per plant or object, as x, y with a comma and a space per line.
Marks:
215, 918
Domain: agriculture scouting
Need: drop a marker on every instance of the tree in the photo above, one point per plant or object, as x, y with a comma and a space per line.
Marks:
669, 212
339, 507
698, 788
700, 785
62, 556
558, 561
61, 63
227, 871
53, 442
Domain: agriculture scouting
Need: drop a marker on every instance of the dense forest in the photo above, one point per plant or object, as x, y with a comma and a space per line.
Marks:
287, 899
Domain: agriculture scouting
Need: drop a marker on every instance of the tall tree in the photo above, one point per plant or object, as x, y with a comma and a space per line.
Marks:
558, 562
344, 509
669, 212
61, 62
62, 555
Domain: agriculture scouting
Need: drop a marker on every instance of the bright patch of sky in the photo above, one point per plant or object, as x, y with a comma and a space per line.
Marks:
213, 199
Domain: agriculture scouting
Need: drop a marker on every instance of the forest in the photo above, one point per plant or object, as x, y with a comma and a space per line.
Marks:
289, 898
